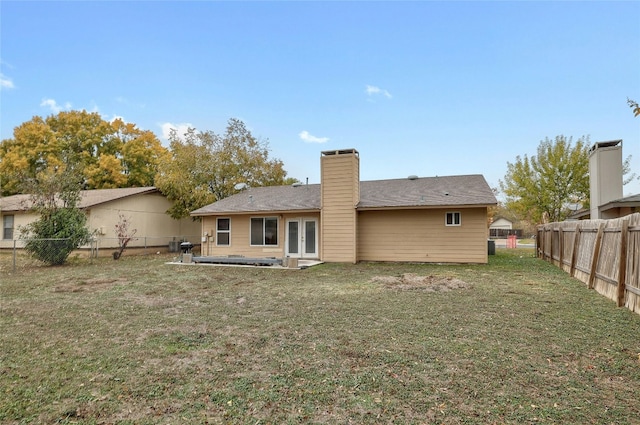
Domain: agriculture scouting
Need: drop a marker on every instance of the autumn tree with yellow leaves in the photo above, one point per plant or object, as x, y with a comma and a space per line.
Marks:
199, 167
106, 154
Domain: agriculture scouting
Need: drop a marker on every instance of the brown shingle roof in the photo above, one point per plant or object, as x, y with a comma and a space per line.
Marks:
88, 198
269, 198
470, 190
426, 192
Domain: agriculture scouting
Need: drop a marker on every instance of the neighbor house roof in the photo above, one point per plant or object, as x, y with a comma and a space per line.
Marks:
628, 201
88, 198
470, 190
497, 220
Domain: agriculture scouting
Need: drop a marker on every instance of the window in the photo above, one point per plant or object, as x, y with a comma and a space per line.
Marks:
223, 231
264, 231
7, 227
452, 219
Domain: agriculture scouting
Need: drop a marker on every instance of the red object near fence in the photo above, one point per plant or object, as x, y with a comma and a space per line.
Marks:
512, 241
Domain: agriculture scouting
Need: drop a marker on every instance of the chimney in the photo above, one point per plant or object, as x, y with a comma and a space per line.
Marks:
605, 175
340, 194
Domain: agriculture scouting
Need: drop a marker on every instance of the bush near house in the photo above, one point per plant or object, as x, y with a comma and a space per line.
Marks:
56, 234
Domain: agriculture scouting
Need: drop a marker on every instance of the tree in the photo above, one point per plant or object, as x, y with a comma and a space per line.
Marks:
204, 167
141, 153
61, 226
634, 106
124, 235
626, 166
106, 154
626, 171
544, 185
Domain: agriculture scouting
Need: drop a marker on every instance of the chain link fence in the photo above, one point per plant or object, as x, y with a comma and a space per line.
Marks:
14, 258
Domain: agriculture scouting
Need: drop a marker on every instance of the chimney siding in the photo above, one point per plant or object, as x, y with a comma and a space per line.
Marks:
605, 175
340, 194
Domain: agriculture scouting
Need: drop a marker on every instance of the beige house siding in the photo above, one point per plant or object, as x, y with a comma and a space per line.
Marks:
240, 236
20, 218
147, 214
340, 191
422, 236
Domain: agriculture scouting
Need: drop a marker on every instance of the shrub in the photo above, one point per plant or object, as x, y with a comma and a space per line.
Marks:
56, 234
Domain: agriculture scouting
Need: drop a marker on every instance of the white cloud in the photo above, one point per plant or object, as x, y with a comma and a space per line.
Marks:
309, 138
6, 82
53, 105
377, 91
181, 128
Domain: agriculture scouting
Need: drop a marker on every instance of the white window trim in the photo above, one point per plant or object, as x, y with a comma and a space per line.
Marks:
12, 228
263, 230
454, 214
223, 231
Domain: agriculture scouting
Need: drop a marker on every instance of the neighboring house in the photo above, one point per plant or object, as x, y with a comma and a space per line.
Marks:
501, 223
605, 184
621, 207
144, 207
502, 227
432, 219
612, 209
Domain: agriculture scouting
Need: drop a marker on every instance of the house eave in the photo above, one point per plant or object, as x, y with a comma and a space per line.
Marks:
254, 212
421, 207
88, 198
618, 204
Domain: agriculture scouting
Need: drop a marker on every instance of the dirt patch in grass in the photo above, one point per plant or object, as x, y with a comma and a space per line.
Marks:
93, 284
412, 282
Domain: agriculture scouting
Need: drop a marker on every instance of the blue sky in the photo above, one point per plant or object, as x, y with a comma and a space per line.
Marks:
426, 88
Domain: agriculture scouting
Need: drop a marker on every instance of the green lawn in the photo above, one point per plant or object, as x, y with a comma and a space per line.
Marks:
138, 341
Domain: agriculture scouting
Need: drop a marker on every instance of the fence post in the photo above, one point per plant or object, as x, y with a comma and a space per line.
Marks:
574, 253
14, 255
552, 233
622, 271
596, 255
561, 246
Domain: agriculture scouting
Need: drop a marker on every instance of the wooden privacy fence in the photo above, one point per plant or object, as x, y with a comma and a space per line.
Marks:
604, 254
